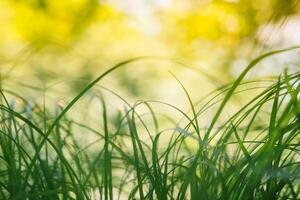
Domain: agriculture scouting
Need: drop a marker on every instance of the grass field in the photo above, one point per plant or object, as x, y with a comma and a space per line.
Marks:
251, 154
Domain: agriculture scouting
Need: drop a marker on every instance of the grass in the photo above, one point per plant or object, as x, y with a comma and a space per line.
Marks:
252, 154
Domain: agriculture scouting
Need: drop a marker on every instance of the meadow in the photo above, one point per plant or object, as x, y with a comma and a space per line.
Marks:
251, 153
154, 100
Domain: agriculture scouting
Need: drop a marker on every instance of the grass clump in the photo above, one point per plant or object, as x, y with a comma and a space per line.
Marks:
253, 154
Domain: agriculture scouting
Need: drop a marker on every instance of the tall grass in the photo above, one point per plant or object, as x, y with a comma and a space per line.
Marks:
253, 154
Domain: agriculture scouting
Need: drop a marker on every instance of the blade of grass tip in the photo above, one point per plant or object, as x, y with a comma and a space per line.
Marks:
108, 194
260, 100
144, 124
237, 83
153, 116
293, 92
192, 106
193, 167
288, 111
179, 110
88, 87
214, 80
274, 109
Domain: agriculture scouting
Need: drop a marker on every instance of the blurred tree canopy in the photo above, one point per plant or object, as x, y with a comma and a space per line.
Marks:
77, 35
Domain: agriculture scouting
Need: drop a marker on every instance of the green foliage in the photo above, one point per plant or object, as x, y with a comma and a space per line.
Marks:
252, 155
